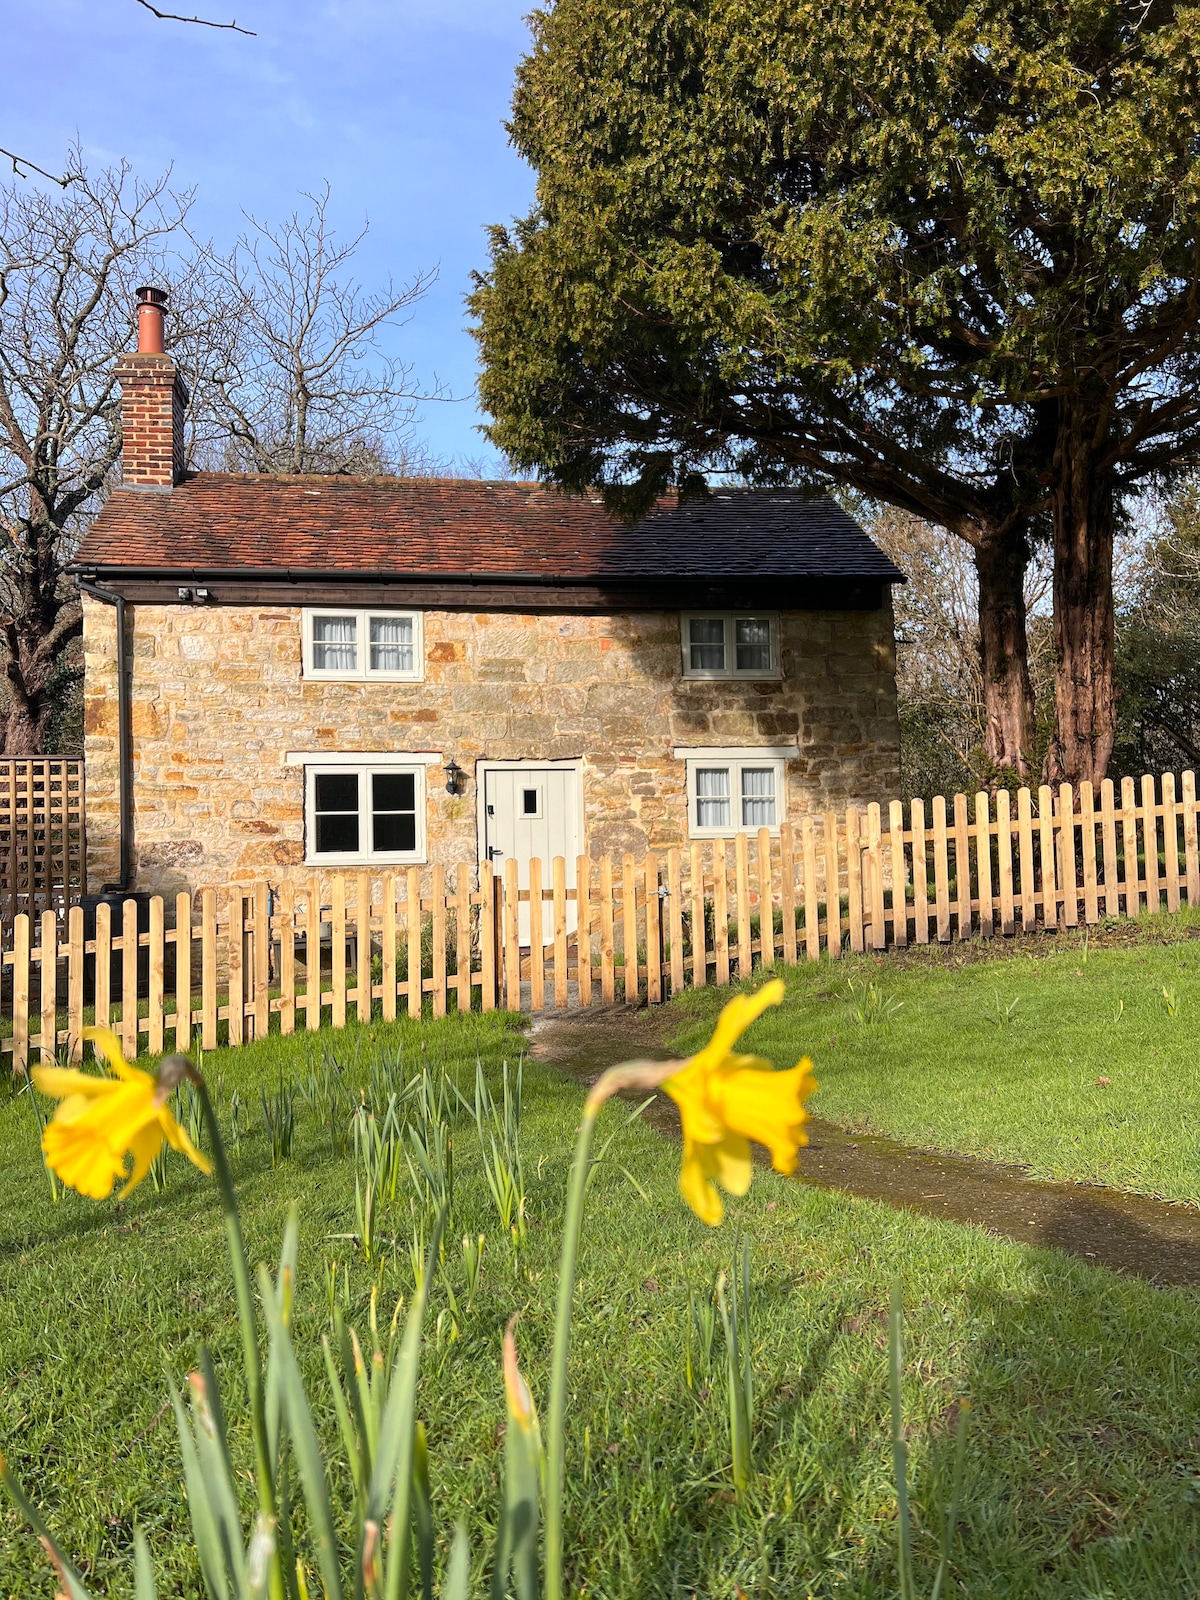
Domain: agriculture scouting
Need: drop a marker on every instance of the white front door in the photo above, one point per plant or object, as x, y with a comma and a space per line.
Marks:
532, 811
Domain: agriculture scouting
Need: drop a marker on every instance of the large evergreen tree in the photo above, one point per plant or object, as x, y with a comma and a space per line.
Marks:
946, 253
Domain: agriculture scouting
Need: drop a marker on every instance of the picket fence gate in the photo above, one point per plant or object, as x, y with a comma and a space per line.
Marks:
236, 963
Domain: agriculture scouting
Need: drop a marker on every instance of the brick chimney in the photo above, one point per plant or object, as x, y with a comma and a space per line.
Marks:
153, 398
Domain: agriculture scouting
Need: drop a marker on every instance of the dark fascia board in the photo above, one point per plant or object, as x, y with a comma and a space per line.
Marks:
458, 592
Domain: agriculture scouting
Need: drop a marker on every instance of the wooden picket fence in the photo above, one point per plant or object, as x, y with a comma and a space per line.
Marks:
43, 842
230, 966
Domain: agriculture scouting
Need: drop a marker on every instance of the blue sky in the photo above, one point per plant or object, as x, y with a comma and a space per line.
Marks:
399, 104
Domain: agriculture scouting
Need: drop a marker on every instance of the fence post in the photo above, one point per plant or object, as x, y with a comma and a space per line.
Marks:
1170, 841
512, 936
962, 865
983, 858
812, 904
1191, 857
721, 911
629, 929
1108, 829
287, 957
874, 879
1004, 862
537, 938
262, 961
787, 885
1069, 882
1046, 837
462, 928
920, 873
129, 978
1150, 844
488, 944
583, 928
156, 989
675, 919
48, 975
237, 948
1129, 851
653, 932
854, 883
1087, 839
833, 885
437, 958
21, 994
415, 970
941, 868
899, 875
362, 942
312, 953
183, 972
75, 965
558, 876
208, 968
741, 882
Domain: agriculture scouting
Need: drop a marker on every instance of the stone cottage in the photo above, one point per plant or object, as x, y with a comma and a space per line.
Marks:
285, 673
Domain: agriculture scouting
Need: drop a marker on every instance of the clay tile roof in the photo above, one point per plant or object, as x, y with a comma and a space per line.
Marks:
425, 527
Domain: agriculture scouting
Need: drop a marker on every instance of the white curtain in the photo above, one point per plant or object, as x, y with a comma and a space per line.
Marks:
335, 644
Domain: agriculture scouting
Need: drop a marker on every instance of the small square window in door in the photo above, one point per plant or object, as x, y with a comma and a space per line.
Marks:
531, 802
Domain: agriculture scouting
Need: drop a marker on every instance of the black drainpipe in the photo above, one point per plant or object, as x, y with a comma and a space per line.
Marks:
124, 737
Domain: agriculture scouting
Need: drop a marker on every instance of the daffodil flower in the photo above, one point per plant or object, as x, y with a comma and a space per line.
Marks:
103, 1121
727, 1100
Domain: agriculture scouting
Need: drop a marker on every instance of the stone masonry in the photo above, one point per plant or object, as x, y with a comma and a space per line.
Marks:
218, 698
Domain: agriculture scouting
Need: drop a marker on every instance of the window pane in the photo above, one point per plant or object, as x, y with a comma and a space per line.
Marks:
393, 811
335, 647
758, 797
336, 791
392, 644
753, 637
335, 796
393, 791
706, 643
394, 830
712, 797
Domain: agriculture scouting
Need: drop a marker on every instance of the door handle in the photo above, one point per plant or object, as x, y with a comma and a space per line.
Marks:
493, 852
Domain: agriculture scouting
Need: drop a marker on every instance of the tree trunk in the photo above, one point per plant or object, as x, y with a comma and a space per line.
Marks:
1000, 567
24, 730
1084, 630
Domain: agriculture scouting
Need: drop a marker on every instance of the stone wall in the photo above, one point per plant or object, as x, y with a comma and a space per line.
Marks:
218, 698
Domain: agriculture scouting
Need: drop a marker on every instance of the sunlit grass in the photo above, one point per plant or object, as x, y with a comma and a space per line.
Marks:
1074, 1059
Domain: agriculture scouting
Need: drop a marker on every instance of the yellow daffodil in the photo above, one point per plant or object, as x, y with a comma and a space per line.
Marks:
101, 1121
726, 1100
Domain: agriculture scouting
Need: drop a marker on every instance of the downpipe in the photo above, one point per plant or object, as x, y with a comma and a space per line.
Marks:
124, 738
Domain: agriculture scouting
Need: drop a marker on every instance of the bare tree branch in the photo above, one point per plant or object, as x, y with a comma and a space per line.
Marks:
20, 161
296, 380
170, 16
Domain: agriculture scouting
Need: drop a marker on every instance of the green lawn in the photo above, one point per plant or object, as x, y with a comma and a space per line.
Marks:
1083, 1477
1003, 1057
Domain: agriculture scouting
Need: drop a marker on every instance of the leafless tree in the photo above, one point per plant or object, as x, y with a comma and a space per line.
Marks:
300, 382
940, 679
69, 263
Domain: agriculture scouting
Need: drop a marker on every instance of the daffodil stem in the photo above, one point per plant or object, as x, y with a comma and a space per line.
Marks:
631, 1075
245, 1299
556, 1416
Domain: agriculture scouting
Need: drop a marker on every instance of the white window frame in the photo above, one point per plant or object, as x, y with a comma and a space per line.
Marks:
363, 672
729, 619
364, 771
734, 760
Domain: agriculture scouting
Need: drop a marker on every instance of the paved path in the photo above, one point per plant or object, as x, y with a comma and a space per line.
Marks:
1130, 1233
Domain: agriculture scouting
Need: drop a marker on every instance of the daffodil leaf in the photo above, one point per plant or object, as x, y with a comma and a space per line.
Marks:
143, 1571
297, 1416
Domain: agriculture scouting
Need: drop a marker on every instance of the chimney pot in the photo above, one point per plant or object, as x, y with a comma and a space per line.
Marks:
152, 305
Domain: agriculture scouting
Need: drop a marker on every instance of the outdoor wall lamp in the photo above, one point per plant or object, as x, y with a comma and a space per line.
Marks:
455, 777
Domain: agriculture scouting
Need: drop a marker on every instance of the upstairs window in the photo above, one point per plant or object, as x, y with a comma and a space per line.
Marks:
353, 645
358, 814
730, 644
